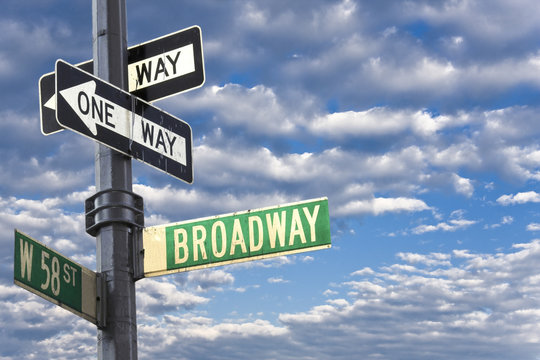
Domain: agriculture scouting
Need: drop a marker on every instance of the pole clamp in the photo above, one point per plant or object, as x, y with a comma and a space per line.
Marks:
113, 206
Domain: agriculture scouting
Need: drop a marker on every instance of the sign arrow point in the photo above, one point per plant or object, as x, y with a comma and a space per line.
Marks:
51, 103
72, 96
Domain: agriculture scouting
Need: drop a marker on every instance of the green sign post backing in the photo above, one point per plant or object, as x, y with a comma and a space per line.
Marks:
54, 277
242, 236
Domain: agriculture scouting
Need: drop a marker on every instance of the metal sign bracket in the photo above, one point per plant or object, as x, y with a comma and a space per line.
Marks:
101, 300
113, 206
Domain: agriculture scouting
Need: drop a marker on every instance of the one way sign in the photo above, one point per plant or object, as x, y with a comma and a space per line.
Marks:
114, 117
157, 69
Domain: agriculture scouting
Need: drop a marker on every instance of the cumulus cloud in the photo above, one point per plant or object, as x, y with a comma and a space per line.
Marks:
258, 109
462, 185
506, 220
488, 140
451, 298
378, 122
210, 279
364, 271
30, 39
165, 336
277, 280
183, 204
451, 225
50, 221
519, 198
533, 227
378, 206
449, 304
433, 259
160, 296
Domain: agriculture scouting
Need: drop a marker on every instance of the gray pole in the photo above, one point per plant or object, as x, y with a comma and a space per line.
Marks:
114, 239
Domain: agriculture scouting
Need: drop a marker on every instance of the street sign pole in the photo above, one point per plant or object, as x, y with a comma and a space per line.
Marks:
114, 239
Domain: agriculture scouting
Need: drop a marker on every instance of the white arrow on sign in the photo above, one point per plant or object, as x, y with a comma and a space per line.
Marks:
51, 103
94, 110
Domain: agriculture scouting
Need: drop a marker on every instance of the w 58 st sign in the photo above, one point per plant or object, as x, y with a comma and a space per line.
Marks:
54, 277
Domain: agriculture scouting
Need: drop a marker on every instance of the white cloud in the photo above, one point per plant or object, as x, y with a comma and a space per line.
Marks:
78, 343
210, 279
462, 185
245, 172
223, 166
533, 227
378, 206
451, 308
160, 296
222, 162
474, 18
433, 259
329, 292
456, 300
49, 221
253, 16
363, 287
277, 280
31, 39
163, 338
378, 122
159, 202
258, 110
519, 198
426, 73
451, 225
506, 220
462, 154
362, 272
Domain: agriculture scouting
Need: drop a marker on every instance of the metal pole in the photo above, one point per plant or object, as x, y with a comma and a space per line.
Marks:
114, 240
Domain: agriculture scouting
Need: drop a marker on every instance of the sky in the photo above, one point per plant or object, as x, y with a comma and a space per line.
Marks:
417, 119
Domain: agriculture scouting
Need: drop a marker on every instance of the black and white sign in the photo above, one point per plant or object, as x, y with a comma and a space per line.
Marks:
120, 120
157, 69
47, 100
166, 66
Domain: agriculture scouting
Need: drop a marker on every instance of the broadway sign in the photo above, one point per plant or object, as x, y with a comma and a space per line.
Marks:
242, 236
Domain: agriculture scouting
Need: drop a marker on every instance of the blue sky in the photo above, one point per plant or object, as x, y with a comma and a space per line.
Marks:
417, 119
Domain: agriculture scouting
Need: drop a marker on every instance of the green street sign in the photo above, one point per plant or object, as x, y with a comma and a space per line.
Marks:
54, 277
231, 238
